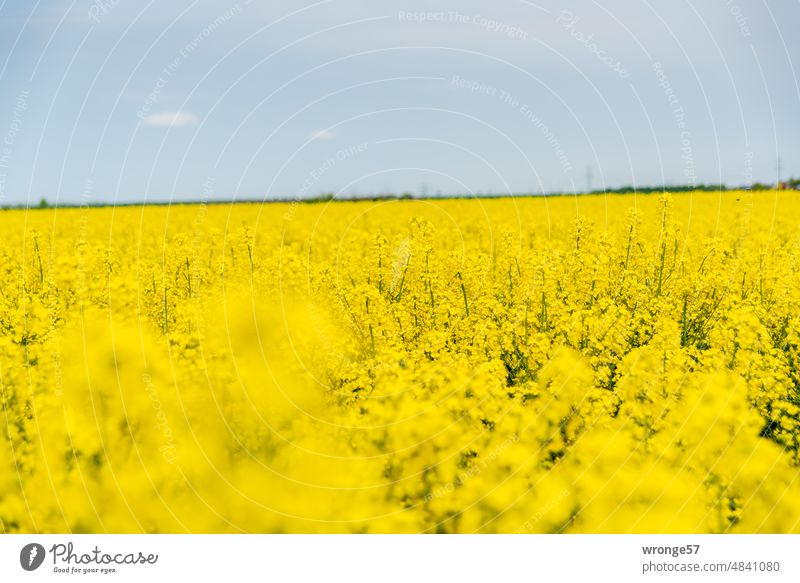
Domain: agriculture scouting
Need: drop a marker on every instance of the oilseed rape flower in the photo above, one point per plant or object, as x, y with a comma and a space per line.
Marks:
563, 365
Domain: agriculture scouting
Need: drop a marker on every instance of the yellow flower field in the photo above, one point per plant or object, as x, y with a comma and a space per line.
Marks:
592, 364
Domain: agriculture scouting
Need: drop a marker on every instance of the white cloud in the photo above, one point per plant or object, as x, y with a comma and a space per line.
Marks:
170, 118
322, 135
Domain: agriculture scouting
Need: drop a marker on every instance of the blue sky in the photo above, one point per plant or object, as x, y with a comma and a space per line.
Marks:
115, 100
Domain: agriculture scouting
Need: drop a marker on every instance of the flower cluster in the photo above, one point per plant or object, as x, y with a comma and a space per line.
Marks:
601, 364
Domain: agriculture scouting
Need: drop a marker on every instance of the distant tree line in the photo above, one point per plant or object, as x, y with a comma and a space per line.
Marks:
651, 189
791, 183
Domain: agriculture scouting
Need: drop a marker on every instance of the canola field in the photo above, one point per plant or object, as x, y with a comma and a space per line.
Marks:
599, 364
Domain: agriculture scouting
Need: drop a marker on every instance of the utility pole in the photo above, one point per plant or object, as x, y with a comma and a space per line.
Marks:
780, 171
